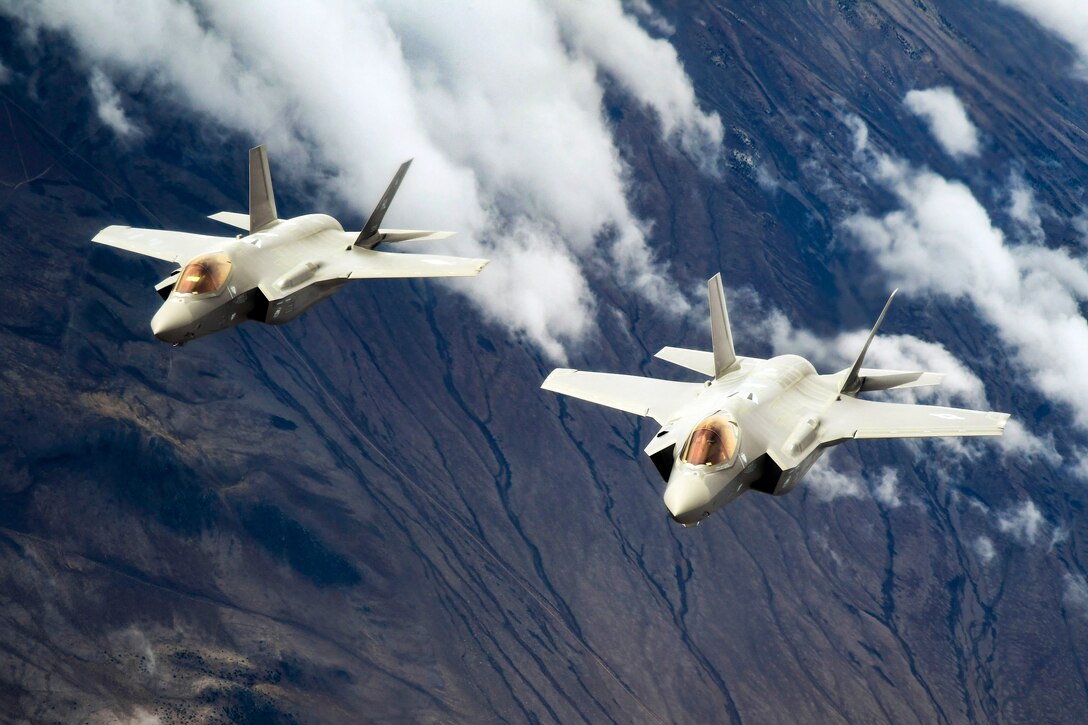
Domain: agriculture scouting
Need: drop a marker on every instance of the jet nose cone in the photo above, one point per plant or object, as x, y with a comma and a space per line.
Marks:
172, 322
687, 500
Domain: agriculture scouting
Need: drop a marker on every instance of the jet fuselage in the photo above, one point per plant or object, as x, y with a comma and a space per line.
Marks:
750, 402
268, 256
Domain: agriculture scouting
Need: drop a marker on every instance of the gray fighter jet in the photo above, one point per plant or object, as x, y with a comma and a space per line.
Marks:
279, 268
760, 424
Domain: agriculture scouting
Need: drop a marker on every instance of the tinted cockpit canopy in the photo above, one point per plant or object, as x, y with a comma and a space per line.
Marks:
712, 443
204, 274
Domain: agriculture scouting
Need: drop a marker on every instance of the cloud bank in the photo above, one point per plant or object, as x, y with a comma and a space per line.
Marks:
947, 119
501, 104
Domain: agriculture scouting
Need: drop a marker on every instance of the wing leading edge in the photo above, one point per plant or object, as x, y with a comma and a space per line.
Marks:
176, 247
657, 399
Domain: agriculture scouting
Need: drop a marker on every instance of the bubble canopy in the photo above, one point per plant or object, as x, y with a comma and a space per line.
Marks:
204, 275
712, 443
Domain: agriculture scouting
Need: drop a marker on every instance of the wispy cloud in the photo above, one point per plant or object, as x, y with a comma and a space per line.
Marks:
984, 549
828, 483
947, 119
941, 240
108, 105
1075, 595
1024, 522
886, 488
1024, 209
654, 19
501, 104
5, 74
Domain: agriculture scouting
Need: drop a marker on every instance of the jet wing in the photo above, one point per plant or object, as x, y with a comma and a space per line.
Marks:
658, 399
362, 263
176, 247
853, 418
359, 263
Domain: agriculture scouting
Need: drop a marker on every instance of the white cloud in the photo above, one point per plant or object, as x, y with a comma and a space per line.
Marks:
1081, 464
1068, 19
941, 240
886, 489
501, 104
947, 119
1023, 522
1075, 596
647, 67
1024, 209
828, 483
108, 106
643, 9
984, 548
5, 74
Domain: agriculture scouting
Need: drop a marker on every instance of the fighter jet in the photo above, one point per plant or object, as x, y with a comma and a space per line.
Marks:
279, 268
759, 425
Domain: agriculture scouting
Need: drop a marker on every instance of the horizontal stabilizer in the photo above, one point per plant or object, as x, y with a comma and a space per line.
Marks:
389, 236
232, 218
872, 379
657, 399
698, 360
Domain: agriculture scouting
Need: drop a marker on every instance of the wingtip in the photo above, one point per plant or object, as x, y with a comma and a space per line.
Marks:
100, 237
555, 375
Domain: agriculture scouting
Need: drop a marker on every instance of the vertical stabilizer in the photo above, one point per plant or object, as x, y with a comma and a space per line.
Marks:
722, 337
375, 220
852, 384
262, 202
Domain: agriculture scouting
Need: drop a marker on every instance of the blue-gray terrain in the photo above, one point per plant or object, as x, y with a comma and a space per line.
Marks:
374, 514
